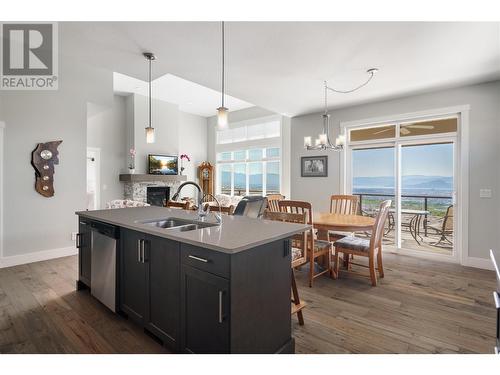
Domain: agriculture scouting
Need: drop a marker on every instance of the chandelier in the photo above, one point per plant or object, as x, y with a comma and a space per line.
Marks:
323, 141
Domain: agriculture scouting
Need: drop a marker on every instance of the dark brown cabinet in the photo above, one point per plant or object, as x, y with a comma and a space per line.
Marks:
205, 312
162, 289
83, 243
132, 275
150, 284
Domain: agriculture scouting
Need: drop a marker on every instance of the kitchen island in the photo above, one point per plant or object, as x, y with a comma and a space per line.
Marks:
199, 287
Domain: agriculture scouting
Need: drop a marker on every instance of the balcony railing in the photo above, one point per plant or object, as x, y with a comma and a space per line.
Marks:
424, 198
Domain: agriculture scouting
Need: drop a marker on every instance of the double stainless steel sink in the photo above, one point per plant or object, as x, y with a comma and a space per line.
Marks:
181, 225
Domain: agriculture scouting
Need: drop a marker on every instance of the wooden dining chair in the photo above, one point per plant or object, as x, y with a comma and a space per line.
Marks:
342, 205
229, 210
315, 247
272, 202
299, 255
174, 204
370, 248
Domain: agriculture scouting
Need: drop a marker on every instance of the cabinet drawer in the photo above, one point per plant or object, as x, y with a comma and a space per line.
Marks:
206, 260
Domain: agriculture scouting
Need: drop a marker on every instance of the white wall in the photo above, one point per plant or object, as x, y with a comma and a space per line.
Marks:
484, 101
106, 130
34, 223
165, 117
193, 142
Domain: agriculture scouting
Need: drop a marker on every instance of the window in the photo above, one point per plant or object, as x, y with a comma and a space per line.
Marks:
249, 158
254, 171
244, 133
379, 132
448, 125
405, 129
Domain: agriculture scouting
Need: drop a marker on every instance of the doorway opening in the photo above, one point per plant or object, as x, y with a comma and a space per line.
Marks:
93, 178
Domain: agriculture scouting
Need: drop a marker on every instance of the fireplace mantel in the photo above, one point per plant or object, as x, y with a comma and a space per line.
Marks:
152, 178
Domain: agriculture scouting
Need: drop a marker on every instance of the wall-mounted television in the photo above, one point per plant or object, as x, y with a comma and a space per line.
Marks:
162, 164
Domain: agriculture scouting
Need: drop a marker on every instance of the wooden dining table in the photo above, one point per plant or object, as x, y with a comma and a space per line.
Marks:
326, 221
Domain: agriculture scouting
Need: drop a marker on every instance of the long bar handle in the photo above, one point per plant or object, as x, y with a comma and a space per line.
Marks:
139, 244
220, 306
143, 251
78, 240
198, 258
496, 297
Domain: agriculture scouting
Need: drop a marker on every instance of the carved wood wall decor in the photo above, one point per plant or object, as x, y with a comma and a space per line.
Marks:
206, 178
43, 159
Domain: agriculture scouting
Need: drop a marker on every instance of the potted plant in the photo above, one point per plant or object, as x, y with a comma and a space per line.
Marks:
131, 165
184, 157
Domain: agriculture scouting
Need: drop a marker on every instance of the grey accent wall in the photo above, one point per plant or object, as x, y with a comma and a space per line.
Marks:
32, 222
106, 130
484, 143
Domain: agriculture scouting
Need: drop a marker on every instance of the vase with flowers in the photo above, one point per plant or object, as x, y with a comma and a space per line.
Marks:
184, 157
131, 165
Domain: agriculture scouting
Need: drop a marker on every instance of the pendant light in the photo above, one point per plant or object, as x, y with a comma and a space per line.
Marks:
150, 131
323, 141
222, 121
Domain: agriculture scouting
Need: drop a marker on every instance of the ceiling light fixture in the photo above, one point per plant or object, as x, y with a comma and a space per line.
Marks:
222, 121
323, 141
150, 131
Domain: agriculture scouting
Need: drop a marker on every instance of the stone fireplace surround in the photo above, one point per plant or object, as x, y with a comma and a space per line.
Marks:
135, 185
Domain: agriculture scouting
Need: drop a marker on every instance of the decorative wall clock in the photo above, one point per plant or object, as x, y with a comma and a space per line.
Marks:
43, 159
206, 178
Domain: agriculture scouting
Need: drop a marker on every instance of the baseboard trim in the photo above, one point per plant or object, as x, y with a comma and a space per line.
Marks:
38, 256
484, 263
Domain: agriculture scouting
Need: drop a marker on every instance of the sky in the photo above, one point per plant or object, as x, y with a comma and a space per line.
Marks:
427, 160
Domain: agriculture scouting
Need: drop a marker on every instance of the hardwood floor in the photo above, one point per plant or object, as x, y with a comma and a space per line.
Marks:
419, 307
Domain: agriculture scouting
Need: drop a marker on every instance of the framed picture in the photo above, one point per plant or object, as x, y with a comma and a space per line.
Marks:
314, 166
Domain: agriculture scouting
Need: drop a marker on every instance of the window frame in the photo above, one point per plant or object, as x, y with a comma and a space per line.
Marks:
261, 143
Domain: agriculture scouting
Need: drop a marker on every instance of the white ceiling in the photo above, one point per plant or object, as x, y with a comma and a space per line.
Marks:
280, 66
189, 96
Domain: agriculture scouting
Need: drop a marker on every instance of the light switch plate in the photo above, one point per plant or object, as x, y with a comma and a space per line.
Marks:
485, 193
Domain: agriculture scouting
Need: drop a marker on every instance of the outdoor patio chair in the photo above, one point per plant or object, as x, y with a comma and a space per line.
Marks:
445, 230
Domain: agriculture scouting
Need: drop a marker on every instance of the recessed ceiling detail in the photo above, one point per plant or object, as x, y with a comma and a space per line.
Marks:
189, 96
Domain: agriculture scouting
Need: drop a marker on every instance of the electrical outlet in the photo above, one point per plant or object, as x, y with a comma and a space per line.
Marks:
485, 193
73, 236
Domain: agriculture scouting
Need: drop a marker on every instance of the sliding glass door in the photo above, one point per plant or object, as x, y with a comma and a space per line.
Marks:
374, 180
413, 164
427, 196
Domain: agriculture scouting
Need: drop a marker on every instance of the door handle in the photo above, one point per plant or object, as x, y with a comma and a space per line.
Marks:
496, 297
78, 241
198, 259
144, 251
139, 242
220, 306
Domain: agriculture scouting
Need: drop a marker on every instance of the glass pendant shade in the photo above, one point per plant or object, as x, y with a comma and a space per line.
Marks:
150, 134
222, 120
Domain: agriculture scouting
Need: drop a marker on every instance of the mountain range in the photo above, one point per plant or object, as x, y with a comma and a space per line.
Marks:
408, 182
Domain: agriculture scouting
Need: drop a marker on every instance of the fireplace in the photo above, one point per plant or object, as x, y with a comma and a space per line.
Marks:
157, 195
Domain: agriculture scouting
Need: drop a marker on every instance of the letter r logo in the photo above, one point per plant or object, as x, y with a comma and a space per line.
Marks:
27, 49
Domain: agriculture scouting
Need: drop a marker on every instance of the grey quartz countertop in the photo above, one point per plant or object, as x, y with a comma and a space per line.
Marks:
237, 233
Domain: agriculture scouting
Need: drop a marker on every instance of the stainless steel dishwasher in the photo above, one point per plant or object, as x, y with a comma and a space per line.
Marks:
103, 263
